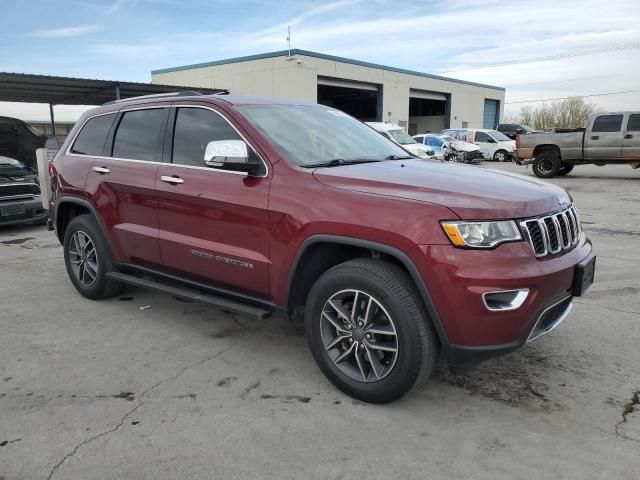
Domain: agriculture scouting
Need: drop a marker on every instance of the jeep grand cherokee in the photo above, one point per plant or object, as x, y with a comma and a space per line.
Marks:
262, 206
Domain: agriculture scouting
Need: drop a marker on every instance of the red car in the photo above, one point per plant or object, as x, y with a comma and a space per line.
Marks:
264, 206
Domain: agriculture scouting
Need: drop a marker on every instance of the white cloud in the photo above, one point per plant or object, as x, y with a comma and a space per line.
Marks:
65, 31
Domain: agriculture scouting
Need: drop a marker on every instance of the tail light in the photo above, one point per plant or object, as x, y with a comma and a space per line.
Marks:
518, 140
52, 169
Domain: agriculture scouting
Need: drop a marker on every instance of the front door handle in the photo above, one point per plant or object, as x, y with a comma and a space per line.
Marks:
101, 170
595, 137
628, 135
172, 179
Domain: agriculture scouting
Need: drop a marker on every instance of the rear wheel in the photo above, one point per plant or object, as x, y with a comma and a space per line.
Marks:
500, 156
546, 165
565, 169
367, 330
88, 259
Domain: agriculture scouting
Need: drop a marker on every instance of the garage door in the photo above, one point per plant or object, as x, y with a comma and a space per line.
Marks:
360, 99
491, 110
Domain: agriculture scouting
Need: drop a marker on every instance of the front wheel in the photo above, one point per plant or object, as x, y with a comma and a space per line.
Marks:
500, 156
368, 332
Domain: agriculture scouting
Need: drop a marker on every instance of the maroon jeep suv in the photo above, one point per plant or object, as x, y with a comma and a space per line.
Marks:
262, 206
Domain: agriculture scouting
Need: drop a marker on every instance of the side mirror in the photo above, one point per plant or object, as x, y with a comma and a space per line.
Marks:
229, 155
519, 131
491, 140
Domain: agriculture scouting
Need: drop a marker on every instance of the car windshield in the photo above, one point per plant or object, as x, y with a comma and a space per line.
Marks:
313, 134
401, 137
501, 137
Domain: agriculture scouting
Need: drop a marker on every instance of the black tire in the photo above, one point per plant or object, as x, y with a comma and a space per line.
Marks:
415, 340
546, 165
101, 287
500, 156
565, 169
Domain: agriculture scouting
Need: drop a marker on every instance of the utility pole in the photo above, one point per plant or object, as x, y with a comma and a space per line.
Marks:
289, 39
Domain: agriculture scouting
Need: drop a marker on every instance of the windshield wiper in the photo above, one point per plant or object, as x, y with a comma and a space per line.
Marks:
399, 157
336, 162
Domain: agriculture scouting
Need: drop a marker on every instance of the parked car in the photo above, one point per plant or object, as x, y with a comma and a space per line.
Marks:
262, 206
609, 138
513, 129
396, 134
19, 140
447, 148
493, 144
20, 200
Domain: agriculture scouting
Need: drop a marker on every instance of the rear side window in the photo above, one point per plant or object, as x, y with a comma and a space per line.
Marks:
633, 125
138, 135
607, 123
90, 140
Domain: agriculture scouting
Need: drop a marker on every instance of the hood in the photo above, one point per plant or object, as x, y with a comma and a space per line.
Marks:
472, 193
461, 146
416, 149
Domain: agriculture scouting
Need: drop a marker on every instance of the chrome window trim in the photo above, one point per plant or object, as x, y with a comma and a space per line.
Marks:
206, 169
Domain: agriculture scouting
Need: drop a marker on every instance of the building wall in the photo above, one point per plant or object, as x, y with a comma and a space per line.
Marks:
297, 79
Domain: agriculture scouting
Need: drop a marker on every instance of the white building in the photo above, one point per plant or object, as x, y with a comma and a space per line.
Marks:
418, 101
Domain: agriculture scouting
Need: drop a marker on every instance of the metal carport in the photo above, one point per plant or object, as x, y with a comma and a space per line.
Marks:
28, 88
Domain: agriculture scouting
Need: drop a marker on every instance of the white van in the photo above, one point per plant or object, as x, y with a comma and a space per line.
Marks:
493, 144
396, 134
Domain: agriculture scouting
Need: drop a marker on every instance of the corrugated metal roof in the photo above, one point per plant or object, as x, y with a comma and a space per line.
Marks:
22, 87
296, 51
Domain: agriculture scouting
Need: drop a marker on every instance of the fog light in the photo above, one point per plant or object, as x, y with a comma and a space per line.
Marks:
504, 300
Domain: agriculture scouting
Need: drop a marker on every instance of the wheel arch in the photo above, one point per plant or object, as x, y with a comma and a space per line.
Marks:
67, 208
296, 288
547, 148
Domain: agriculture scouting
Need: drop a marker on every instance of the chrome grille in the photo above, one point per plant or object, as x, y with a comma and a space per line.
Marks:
552, 234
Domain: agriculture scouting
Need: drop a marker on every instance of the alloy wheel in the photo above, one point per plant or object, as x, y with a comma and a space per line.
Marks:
359, 335
83, 258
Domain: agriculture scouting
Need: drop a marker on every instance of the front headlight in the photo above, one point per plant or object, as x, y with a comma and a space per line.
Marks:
481, 234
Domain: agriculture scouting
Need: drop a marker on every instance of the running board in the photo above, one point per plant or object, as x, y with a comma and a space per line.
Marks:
191, 294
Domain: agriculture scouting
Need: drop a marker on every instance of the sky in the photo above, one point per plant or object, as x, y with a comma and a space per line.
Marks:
535, 49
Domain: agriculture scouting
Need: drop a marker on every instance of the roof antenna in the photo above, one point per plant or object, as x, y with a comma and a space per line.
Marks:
289, 39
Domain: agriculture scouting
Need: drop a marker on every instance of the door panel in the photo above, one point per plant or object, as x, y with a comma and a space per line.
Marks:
604, 139
215, 226
124, 195
631, 138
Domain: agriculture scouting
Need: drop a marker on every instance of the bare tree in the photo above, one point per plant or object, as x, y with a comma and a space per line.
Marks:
569, 113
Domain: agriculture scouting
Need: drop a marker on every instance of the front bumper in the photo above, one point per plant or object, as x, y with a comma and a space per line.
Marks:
457, 279
31, 211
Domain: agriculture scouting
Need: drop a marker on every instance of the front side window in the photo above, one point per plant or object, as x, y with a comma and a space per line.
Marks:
194, 129
312, 134
91, 139
419, 139
633, 124
482, 137
607, 123
138, 135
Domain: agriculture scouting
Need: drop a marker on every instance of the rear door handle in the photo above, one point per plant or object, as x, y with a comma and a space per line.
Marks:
628, 135
173, 180
101, 170
595, 137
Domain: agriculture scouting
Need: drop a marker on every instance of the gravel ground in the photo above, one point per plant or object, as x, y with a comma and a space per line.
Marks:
104, 390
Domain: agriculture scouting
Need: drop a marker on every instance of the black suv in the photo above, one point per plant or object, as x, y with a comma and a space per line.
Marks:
513, 129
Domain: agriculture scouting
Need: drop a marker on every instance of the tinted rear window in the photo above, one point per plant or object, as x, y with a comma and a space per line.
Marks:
138, 134
607, 123
90, 140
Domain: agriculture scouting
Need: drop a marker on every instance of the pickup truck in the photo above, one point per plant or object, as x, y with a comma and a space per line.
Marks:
609, 138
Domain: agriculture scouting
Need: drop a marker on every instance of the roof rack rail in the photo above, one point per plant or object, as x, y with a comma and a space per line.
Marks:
157, 95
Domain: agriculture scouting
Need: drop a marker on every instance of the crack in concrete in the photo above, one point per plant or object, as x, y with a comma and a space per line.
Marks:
606, 308
628, 409
132, 411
